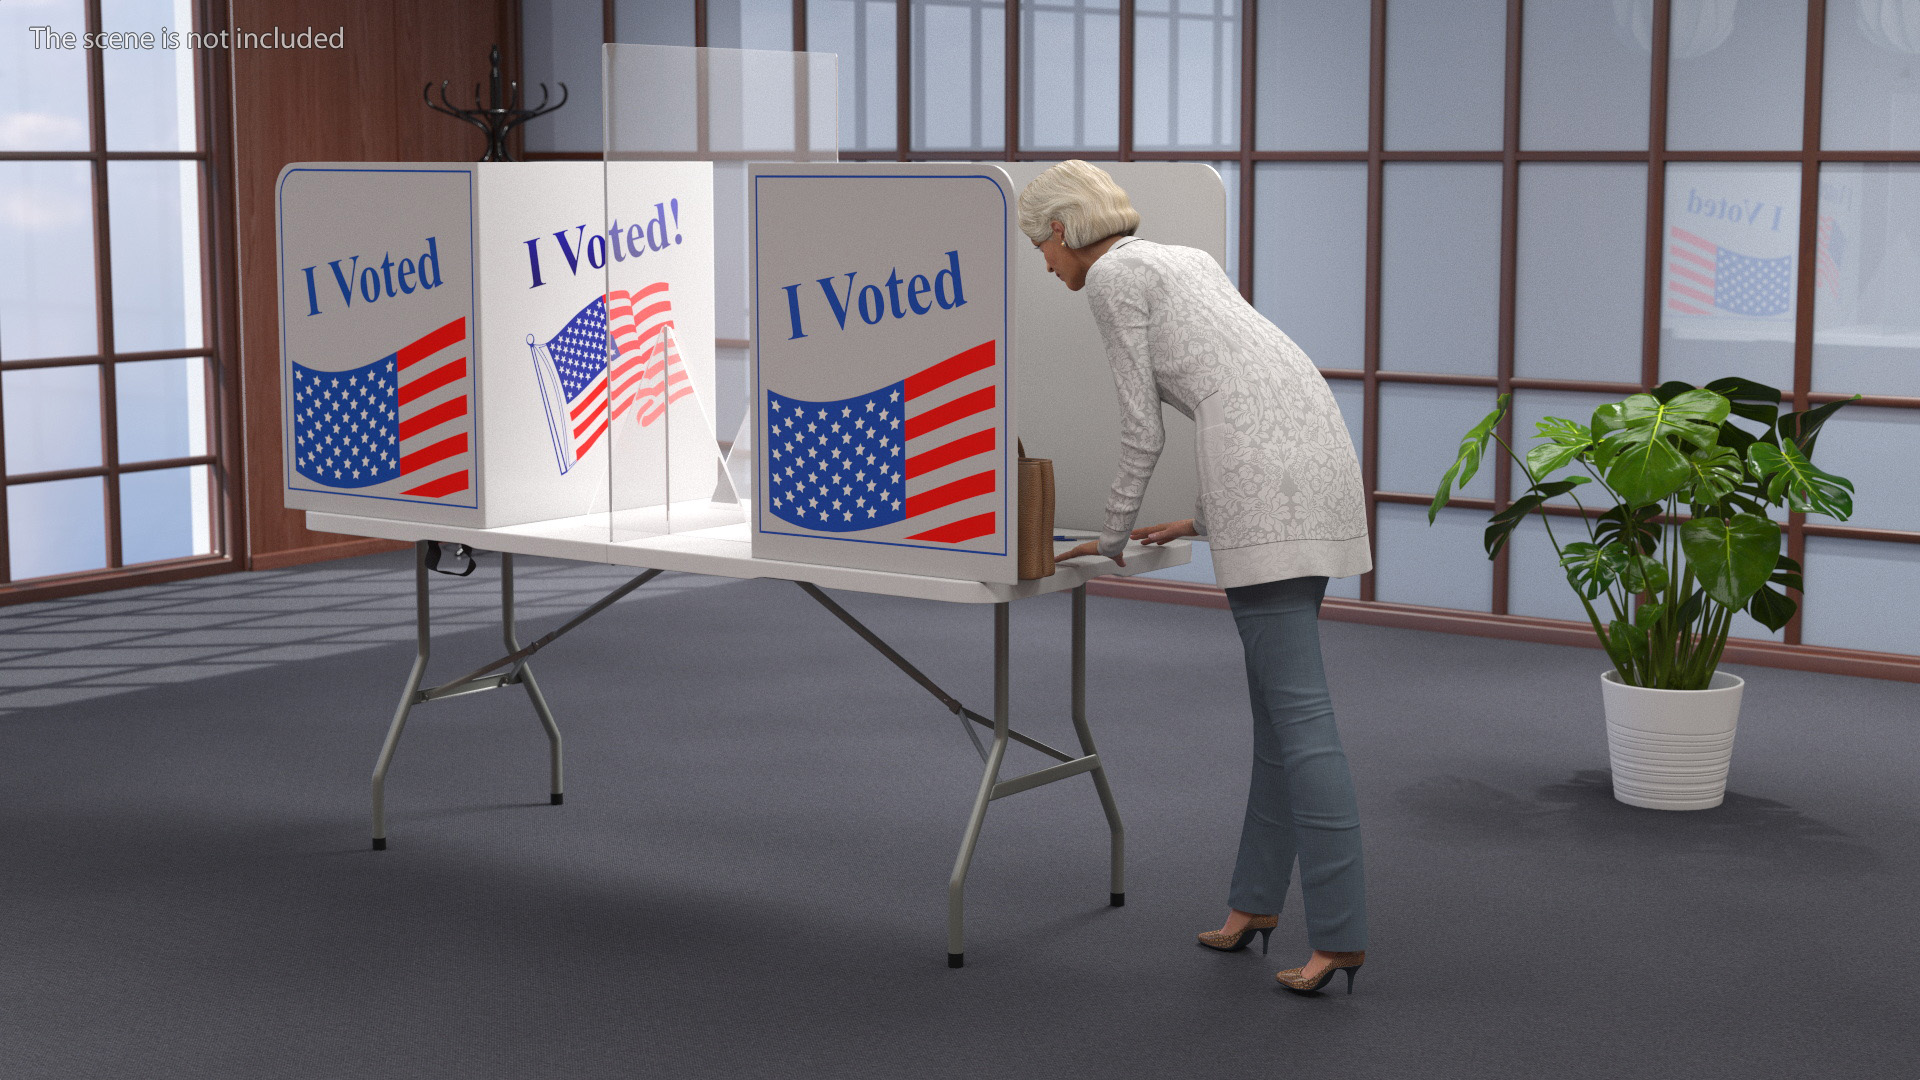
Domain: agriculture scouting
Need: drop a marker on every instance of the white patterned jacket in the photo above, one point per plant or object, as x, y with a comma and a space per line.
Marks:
1280, 488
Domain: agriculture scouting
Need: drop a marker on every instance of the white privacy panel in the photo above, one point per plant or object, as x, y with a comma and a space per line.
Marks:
1871, 96
1069, 67
863, 34
1186, 74
1310, 257
1440, 268
1879, 450
1420, 430
1866, 318
1311, 90
1536, 583
959, 74
1861, 595
1442, 565
1737, 74
1583, 81
1581, 278
1446, 74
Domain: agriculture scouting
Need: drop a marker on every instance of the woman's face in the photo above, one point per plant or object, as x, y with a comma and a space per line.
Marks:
1061, 261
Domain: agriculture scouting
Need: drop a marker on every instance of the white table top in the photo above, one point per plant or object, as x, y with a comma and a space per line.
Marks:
727, 551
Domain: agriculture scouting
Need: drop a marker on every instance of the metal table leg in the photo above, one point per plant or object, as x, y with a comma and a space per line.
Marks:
1118, 890
525, 674
989, 780
423, 644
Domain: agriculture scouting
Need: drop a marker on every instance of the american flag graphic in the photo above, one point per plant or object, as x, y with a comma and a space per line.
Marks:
1703, 276
915, 451
583, 392
402, 417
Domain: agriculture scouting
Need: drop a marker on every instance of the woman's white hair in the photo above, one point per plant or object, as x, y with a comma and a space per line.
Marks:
1085, 201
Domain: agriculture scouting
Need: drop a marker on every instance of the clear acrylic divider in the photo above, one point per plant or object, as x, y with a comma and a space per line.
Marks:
681, 126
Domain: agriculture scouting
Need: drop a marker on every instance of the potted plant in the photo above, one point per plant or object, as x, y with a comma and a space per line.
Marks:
1689, 539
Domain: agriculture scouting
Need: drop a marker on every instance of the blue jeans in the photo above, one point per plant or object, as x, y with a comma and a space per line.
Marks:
1301, 801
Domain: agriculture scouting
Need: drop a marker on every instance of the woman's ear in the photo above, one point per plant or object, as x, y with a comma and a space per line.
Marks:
1059, 232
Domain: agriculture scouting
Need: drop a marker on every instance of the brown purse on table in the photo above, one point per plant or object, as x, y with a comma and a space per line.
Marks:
1034, 533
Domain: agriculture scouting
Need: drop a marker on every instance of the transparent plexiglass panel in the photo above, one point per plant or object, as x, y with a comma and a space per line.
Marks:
1584, 78
1849, 584
155, 215
1311, 87
1186, 75
959, 75
1440, 268
1727, 299
1446, 74
161, 406
1737, 72
1581, 281
43, 89
1866, 315
46, 260
682, 126
1310, 256
52, 417
1420, 429
1879, 450
862, 34
1069, 71
59, 527
1871, 100
1438, 565
165, 514
150, 93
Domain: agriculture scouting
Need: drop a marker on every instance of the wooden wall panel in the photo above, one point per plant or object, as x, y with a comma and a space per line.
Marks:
359, 103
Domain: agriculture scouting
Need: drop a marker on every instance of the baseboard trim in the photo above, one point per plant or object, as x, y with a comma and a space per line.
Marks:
1817, 658
347, 549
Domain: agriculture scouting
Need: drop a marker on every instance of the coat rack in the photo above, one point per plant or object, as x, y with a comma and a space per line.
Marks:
500, 116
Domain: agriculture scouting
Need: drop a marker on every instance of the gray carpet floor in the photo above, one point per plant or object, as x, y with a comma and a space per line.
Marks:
748, 877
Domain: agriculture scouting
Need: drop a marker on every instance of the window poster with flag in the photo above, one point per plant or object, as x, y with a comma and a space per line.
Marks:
882, 367
497, 343
1731, 251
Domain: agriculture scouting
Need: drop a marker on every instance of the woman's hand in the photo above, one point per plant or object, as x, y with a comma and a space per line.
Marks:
1091, 547
1165, 531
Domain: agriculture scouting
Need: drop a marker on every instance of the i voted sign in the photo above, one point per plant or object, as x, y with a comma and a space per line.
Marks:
882, 367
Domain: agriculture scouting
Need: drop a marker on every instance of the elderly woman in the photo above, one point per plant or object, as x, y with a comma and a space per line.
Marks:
1280, 502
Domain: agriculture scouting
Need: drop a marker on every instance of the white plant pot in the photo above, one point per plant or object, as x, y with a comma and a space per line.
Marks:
1671, 748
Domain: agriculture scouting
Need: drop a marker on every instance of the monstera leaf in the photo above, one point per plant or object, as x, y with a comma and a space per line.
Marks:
1635, 529
1714, 474
1472, 447
1788, 473
1649, 465
1772, 607
1732, 558
1804, 427
1592, 567
1502, 524
1644, 574
1565, 441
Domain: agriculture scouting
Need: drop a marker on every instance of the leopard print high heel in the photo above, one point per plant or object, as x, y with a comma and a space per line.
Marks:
1222, 941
